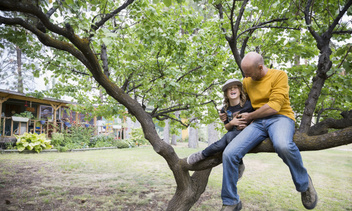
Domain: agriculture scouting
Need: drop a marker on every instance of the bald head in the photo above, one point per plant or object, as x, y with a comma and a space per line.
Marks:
252, 59
253, 66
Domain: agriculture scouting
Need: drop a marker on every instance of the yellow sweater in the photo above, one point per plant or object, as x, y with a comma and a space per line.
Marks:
272, 89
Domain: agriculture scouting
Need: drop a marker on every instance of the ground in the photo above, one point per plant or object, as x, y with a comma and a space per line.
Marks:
33, 182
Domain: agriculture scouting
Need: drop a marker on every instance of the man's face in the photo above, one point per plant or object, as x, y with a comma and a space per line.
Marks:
254, 73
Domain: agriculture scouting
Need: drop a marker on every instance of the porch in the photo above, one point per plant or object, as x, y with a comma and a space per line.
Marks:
21, 113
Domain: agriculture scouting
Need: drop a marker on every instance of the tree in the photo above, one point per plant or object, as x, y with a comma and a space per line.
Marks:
16, 69
136, 55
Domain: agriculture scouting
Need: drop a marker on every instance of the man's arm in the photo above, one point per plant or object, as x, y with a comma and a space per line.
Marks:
261, 112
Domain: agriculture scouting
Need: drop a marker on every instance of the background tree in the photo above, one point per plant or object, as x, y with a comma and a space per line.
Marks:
135, 55
16, 68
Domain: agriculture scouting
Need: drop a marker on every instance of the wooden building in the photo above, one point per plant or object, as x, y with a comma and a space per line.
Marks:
21, 113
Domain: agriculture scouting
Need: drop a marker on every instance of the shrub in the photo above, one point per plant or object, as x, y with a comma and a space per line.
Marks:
101, 141
62, 148
77, 137
57, 139
137, 136
30, 141
122, 144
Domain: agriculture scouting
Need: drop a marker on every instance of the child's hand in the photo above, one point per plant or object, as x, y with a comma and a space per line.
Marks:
223, 117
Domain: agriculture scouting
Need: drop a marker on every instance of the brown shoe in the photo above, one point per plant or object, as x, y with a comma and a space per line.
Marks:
235, 207
310, 196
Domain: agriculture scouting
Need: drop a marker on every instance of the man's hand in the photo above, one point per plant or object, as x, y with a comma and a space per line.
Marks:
238, 123
245, 117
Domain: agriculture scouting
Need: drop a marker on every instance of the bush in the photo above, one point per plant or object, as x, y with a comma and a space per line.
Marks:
137, 136
77, 137
122, 144
30, 141
101, 141
57, 139
62, 148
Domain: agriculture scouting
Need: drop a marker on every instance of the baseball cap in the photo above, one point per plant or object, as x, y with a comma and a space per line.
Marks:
231, 82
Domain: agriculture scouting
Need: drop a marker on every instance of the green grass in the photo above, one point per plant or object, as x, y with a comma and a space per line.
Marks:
139, 179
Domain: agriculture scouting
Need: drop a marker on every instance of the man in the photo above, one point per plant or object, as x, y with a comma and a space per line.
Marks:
273, 118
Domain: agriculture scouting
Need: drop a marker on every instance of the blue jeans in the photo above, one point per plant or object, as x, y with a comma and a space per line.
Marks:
221, 144
280, 130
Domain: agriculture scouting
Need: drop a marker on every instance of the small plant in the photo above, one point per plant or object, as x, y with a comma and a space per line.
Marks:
122, 144
32, 141
137, 136
26, 114
77, 137
57, 139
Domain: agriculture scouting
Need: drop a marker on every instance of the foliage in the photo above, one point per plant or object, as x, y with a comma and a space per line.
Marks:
68, 140
57, 139
30, 141
123, 144
26, 114
101, 141
77, 137
137, 136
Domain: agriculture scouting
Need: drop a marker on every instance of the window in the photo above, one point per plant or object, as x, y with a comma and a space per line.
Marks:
46, 112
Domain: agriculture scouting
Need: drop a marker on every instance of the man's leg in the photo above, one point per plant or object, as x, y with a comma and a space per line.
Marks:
250, 137
281, 130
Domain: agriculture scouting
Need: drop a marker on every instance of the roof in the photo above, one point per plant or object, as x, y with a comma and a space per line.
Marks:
21, 96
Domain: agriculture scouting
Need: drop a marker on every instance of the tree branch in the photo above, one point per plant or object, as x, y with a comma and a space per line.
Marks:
187, 73
164, 117
344, 58
46, 39
268, 27
339, 16
98, 24
104, 58
342, 32
324, 126
302, 140
308, 21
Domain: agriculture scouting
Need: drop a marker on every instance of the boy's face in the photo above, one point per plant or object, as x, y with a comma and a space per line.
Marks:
233, 92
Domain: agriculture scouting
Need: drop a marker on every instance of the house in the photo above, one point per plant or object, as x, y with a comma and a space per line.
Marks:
22, 113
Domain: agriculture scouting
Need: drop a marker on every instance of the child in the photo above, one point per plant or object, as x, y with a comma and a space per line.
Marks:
235, 102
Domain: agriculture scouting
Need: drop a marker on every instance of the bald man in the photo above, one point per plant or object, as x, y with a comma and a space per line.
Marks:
273, 118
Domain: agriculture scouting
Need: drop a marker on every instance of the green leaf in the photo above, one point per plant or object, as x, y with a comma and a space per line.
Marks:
167, 2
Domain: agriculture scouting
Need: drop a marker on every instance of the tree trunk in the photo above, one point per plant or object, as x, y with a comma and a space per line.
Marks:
166, 132
173, 140
19, 70
212, 133
192, 137
324, 65
188, 193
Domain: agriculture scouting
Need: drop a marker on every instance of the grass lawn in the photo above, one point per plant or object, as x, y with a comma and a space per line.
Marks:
139, 179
